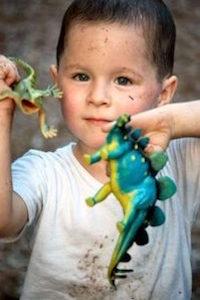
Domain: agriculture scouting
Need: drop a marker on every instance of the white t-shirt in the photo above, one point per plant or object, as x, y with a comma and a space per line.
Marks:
72, 243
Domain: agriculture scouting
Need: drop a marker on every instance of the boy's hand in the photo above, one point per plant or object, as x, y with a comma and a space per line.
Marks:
8, 75
156, 124
8, 71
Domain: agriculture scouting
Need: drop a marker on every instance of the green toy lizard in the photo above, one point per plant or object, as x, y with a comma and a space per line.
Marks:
30, 99
133, 182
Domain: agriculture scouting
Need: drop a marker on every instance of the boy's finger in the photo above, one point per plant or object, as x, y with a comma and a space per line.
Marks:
11, 78
12, 74
8, 71
153, 148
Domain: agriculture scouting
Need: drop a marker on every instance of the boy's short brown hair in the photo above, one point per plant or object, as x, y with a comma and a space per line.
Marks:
152, 16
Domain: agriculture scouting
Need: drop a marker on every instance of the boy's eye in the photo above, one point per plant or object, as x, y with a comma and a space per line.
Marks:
81, 77
123, 80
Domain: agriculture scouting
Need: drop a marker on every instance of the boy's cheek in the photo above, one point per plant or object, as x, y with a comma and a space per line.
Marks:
139, 105
69, 107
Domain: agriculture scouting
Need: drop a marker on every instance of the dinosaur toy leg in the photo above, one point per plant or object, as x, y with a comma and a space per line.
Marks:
100, 195
137, 201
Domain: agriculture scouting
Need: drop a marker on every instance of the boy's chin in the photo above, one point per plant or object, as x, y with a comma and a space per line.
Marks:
96, 145
92, 146
99, 141
96, 140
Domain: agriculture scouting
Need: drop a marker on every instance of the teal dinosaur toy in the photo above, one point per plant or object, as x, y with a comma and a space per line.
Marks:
132, 181
30, 99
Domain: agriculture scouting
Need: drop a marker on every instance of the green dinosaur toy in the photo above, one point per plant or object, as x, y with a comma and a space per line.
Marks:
30, 99
133, 182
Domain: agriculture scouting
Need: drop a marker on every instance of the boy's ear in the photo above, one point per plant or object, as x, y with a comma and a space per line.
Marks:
169, 87
54, 73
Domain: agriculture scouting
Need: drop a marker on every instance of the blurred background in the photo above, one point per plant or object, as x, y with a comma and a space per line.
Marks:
29, 30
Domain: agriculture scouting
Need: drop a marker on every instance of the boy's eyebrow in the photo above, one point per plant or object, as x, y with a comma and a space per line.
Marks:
73, 66
124, 69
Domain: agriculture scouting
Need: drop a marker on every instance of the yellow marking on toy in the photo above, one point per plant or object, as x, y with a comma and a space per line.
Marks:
113, 145
123, 197
105, 150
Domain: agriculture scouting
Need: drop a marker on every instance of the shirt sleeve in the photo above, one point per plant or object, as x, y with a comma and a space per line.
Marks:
29, 182
186, 165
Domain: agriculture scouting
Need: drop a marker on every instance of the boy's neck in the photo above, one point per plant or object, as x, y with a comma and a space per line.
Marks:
98, 171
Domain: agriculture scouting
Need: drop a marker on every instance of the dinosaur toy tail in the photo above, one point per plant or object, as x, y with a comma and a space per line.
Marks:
133, 232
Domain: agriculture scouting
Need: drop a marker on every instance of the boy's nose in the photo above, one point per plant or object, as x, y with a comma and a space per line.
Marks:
99, 95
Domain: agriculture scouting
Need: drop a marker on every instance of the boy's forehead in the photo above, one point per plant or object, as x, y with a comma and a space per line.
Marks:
107, 46
105, 27
97, 33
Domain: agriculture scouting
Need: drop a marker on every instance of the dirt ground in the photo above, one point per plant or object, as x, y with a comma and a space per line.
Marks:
29, 30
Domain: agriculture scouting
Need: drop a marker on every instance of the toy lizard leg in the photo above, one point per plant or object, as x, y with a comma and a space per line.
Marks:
48, 132
100, 195
53, 91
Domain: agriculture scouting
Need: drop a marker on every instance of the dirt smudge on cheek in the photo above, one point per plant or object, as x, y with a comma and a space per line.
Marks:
130, 97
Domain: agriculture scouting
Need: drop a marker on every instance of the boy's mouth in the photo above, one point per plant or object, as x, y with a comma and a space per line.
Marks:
98, 121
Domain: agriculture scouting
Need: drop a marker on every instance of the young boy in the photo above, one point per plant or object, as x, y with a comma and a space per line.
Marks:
113, 57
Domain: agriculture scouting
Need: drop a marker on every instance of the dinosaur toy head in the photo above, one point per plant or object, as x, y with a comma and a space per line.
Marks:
118, 132
117, 136
123, 120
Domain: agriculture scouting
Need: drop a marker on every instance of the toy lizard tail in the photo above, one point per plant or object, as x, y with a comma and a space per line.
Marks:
126, 238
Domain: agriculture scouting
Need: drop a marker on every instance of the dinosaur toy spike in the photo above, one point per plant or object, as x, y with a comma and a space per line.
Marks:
133, 182
29, 99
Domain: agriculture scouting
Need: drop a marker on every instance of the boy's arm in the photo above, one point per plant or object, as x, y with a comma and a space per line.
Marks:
186, 118
168, 122
13, 212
